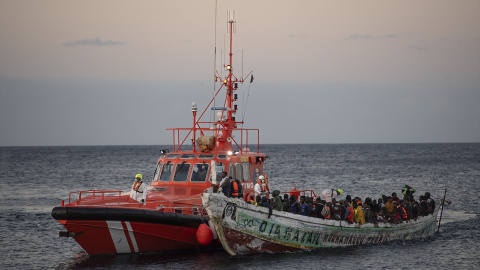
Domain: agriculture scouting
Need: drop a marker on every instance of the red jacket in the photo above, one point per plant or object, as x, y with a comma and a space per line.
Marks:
350, 213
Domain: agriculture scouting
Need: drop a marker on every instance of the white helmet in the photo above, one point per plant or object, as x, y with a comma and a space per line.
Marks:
261, 178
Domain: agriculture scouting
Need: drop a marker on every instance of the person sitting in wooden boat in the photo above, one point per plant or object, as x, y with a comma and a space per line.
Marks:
430, 202
401, 212
303, 206
424, 206
317, 211
277, 200
360, 215
294, 205
286, 203
415, 209
139, 190
329, 194
389, 207
336, 213
395, 197
367, 212
349, 212
379, 217
408, 192
310, 206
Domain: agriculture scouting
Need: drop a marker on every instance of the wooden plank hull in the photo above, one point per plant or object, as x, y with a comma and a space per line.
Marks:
243, 228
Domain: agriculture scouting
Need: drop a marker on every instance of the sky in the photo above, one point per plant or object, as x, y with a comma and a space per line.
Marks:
121, 72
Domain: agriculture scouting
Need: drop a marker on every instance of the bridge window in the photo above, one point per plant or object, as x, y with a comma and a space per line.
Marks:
188, 156
167, 170
172, 156
181, 172
157, 172
200, 172
206, 156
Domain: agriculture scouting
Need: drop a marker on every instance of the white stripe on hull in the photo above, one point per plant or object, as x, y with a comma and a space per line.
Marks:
118, 236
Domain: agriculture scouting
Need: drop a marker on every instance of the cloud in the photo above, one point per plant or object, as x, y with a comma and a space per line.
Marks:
418, 48
93, 42
355, 36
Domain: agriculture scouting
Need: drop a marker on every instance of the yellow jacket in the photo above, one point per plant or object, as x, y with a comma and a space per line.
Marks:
360, 215
390, 207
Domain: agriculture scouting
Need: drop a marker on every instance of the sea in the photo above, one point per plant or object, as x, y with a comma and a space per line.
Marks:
33, 180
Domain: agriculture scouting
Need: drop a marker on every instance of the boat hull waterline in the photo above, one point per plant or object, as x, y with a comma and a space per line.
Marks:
243, 228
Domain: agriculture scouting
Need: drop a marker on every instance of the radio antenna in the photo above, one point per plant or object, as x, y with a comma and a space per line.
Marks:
214, 63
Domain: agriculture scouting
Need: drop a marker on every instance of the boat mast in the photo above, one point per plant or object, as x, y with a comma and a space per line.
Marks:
230, 87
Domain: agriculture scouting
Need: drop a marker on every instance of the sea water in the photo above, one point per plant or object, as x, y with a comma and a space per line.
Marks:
33, 180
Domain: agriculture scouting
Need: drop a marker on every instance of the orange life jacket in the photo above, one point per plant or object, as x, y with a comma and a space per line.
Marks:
137, 185
235, 189
402, 212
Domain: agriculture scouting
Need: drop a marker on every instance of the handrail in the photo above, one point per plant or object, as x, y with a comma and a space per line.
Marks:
177, 144
92, 191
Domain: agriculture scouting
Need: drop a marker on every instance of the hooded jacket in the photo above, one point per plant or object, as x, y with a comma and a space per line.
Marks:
277, 201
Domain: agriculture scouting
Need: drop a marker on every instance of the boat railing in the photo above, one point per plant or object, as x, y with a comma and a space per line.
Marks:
195, 209
98, 193
298, 193
242, 143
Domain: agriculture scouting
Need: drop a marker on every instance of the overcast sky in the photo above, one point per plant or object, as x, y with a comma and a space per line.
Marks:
120, 72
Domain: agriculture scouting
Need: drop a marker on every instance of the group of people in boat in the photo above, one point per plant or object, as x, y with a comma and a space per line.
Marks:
391, 209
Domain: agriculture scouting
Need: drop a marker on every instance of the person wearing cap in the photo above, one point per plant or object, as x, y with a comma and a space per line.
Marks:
329, 194
260, 186
139, 190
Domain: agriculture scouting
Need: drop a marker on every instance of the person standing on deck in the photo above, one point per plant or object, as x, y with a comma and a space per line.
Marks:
225, 184
329, 194
139, 190
260, 186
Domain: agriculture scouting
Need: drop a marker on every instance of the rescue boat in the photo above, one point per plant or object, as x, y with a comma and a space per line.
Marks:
172, 217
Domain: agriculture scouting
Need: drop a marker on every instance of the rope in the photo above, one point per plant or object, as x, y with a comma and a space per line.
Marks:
246, 101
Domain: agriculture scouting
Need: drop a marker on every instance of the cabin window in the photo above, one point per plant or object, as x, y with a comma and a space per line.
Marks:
157, 172
172, 156
200, 172
206, 156
238, 171
246, 171
188, 156
167, 170
222, 156
181, 172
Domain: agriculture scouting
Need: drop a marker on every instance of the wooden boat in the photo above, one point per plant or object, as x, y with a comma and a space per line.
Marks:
244, 228
172, 218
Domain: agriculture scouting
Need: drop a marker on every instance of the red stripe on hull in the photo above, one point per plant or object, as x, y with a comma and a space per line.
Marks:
127, 235
244, 243
95, 237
